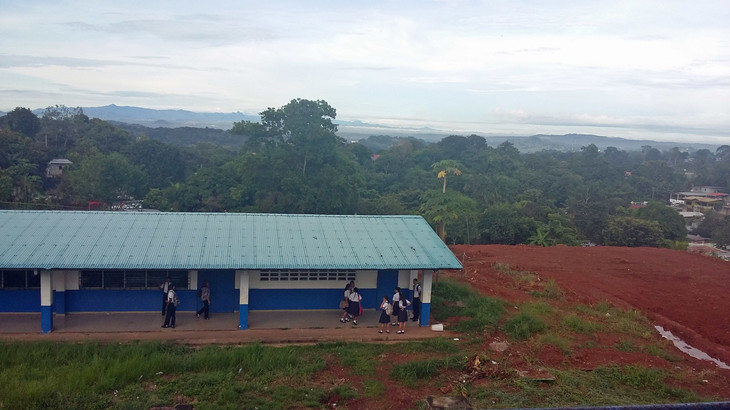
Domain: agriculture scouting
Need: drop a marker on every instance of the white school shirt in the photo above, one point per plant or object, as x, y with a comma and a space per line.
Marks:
416, 292
396, 297
355, 297
170, 295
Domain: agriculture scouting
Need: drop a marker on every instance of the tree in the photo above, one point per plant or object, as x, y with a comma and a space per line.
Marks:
446, 167
442, 207
558, 230
671, 222
632, 232
22, 120
303, 126
108, 178
505, 224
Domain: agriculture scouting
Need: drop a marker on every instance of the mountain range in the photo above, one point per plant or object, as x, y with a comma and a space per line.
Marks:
354, 131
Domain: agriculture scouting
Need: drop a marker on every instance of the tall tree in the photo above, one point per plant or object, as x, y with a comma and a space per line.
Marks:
22, 120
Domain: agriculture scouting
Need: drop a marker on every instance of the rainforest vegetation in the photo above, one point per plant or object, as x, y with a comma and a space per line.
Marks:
293, 161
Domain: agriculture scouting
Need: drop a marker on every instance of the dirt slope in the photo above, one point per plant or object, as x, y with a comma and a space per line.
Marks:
687, 294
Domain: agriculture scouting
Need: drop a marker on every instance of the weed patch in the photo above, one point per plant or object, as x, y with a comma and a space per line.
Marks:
523, 326
411, 373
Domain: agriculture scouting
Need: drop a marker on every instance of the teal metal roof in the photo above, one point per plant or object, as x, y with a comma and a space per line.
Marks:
160, 240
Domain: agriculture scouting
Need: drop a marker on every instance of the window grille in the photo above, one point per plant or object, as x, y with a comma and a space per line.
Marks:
20, 279
272, 275
132, 279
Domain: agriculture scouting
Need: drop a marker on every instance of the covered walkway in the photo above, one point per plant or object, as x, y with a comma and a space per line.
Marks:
264, 326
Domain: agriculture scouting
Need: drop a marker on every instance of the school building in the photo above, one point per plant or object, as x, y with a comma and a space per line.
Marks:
59, 262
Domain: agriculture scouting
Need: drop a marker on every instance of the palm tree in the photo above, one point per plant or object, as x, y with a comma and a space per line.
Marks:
445, 167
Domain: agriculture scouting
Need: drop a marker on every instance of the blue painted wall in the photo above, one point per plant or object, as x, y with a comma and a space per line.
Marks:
20, 301
290, 299
149, 300
59, 302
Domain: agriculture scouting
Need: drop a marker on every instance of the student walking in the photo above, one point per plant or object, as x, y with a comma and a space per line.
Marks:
346, 305
385, 310
205, 297
355, 307
172, 302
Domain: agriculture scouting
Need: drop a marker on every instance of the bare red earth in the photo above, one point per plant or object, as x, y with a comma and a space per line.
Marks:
687, 294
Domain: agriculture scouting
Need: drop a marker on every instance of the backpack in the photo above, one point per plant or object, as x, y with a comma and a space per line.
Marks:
389, 309
175, 299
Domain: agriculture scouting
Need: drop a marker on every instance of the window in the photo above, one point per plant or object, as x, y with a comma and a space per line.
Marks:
20, 279
306, 274
132, 279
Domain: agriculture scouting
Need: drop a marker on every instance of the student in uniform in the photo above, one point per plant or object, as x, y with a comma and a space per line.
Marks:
384, 316
417, 290
165, 287
402, 313
171, 308
355, 299
205, 297
345, 310
396, 298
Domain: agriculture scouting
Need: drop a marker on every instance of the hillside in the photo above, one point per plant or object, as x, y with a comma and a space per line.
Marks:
686, 294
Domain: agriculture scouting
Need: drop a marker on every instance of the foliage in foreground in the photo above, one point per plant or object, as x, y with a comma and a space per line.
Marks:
150, 374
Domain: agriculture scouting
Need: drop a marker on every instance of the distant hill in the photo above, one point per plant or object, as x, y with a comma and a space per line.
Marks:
191, 127
164, 118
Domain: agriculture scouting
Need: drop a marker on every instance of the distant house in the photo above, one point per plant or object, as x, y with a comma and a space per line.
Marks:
56, 262
56, 166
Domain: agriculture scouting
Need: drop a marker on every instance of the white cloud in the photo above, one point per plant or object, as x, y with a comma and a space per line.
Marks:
632, 66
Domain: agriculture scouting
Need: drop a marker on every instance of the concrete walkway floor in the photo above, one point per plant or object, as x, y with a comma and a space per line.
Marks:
273, 327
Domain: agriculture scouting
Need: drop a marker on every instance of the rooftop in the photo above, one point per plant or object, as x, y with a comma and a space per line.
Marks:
160, 240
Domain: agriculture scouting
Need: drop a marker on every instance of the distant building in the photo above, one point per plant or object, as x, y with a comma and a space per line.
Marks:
56, 166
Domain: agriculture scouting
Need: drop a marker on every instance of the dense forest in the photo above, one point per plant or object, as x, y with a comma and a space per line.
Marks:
293, 161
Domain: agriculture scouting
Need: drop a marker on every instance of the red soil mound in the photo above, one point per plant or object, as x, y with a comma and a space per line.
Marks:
687, 294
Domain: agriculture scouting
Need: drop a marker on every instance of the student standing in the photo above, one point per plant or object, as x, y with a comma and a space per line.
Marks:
417, 289
165, 287
384, 316
355, 299
172, 302
396, 298
205, 297
402, 313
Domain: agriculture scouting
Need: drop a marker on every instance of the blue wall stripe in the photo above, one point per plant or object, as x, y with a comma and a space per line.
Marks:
425, 314
59, 302
242, 317
18, 301
46, 319
292, 299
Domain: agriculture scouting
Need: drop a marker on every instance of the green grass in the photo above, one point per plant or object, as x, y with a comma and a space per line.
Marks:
452, 299
410, 373
579, 325
524, 325
39, 375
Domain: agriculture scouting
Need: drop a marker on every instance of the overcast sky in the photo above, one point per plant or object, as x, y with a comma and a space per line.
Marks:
633, 69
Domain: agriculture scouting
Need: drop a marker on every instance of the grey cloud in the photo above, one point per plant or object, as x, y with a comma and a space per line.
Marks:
205, 29
10, 61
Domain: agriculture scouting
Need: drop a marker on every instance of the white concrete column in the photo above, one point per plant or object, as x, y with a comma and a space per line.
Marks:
426, 284
46, 301
243, 286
